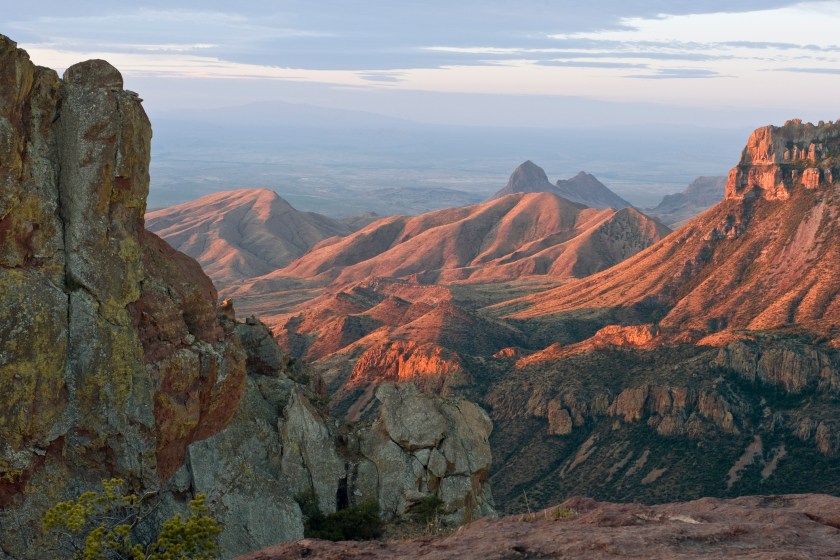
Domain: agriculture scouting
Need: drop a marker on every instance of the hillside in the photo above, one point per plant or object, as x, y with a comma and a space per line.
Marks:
512, 237
586, 189
242, 233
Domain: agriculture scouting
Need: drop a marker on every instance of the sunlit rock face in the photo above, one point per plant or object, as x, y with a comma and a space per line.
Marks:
112, 358
778, 160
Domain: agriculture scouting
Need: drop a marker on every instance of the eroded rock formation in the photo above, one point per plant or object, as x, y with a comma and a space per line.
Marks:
282, 449
777, 160
112, 355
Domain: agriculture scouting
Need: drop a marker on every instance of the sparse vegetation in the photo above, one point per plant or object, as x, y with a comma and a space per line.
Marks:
426, 510
356, 523
101, 526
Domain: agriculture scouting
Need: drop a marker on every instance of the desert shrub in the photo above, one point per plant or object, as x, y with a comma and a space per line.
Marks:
360, 522
426, 509
101, 526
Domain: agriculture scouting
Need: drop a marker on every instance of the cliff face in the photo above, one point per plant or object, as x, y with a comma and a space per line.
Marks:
117, 362
777, 160
112, 358
281, 447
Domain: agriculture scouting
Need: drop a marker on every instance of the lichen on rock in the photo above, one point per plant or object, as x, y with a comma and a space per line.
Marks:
110, 345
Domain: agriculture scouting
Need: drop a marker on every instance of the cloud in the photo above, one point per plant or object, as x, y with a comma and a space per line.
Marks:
590, 64
677, 73
391, 77
811, 70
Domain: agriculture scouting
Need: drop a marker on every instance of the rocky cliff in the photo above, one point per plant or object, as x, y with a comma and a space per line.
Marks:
282, 449
113, 358
779, 160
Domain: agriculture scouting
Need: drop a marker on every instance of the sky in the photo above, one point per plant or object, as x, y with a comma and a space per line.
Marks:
488, 62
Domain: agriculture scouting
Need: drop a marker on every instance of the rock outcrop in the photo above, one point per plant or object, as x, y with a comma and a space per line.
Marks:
281, 450
528, 177
429, 365
422, 445
778, 160
111, 352
119, 363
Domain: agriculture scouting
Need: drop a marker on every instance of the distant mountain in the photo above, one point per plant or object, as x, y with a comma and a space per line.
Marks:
586, 189
516, 236
527, 178
242, 233
701, 194
583, 188
766, 257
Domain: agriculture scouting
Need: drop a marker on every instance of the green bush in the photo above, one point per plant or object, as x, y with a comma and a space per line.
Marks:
100, 526
426, 509
361, 522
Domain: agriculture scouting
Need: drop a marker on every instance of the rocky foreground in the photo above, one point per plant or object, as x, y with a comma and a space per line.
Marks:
791, 527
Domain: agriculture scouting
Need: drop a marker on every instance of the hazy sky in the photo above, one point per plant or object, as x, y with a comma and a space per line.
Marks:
531, 62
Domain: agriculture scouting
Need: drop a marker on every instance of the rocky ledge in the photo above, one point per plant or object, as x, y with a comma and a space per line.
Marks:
758, 527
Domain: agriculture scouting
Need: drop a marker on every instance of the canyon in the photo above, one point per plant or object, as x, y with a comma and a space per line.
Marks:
501, 357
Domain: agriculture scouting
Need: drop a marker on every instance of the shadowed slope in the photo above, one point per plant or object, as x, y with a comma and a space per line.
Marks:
586, 189
676, 209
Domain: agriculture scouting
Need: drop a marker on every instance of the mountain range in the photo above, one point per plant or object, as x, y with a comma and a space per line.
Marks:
619, 383
765, 258
586, 351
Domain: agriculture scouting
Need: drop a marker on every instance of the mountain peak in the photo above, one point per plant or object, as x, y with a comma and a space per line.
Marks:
583, 188
241, 233
529, 177
779, 159
587, 189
